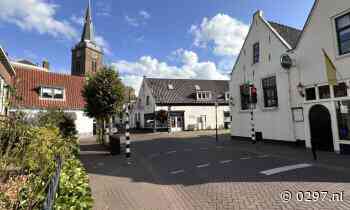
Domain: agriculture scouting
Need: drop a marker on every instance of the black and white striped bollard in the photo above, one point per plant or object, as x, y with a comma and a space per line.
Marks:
252, 123
127, 136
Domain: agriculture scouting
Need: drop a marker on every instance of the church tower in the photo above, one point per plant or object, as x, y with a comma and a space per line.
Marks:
87, 56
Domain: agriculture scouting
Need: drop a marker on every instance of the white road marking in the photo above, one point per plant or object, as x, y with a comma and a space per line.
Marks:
225, 161
245, 158
171, 152
263, 156
177, 172
203, 165
285, 168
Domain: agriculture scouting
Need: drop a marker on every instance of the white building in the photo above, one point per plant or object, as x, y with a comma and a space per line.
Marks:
259, 63
325, 107
6, 74
191, 104
309, 108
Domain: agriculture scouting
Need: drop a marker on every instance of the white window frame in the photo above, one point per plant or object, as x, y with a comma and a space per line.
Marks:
52, 90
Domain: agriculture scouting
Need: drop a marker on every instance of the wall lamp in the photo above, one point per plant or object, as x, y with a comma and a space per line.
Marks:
300, 88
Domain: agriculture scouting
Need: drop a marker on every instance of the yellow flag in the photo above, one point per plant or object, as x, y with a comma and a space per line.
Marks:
330, 69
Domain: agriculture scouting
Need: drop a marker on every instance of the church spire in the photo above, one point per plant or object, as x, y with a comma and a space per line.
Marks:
88, 32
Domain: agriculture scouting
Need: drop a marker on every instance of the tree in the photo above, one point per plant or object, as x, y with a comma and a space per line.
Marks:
103, 94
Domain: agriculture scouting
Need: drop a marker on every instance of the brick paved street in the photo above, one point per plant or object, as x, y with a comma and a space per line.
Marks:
191, 171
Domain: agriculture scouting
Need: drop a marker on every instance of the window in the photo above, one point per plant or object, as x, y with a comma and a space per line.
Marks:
340, 90
324, 92
227, 96
94, 66
147, 100
270, 92
343, 33
227, 114
343, 118
77, 66
203, 95
51, 93
244, 92
310, 94
256, 53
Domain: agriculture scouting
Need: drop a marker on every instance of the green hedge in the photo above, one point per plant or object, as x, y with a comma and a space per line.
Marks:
74, 190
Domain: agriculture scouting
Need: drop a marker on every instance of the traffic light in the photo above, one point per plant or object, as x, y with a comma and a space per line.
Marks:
253, 94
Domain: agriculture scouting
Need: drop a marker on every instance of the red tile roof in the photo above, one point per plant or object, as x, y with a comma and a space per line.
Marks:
29, 80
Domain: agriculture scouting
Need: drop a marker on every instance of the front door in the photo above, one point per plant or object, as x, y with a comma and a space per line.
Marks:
321, 128
202, 122
176, 123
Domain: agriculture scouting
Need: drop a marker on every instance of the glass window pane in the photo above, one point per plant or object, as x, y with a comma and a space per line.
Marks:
345, 47
343, 118
344, 35
324, 92
343, 21
340, 90
310, 94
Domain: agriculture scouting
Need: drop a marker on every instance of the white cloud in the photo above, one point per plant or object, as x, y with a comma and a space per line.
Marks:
131, 21
37, 15
104, 9
104, 44
144, 14
139, 20
225, 33
133, 72
79, 20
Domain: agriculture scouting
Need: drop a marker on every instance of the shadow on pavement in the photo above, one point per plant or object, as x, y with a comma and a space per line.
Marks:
144, 169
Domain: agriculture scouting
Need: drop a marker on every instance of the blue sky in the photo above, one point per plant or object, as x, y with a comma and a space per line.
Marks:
156, 38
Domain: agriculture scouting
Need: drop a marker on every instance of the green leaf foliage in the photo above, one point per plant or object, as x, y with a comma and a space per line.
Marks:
103, 93
74, 190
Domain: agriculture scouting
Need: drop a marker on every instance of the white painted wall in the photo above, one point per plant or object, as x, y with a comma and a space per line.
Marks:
320, 33
275, 123
193, 113
84, 124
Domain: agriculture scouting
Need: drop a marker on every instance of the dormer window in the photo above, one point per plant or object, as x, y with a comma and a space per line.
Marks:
52, 93
170, 87
203, 95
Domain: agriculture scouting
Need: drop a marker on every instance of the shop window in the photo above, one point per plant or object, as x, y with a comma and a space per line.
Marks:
324, 92
343, 118
310, 94
340, 90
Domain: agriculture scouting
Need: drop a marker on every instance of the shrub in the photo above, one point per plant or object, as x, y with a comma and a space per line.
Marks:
74, 191
58, 118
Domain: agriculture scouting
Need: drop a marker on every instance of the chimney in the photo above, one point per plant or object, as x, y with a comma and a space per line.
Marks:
46, 64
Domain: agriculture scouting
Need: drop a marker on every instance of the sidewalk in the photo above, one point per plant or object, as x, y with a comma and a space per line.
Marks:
111, 182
